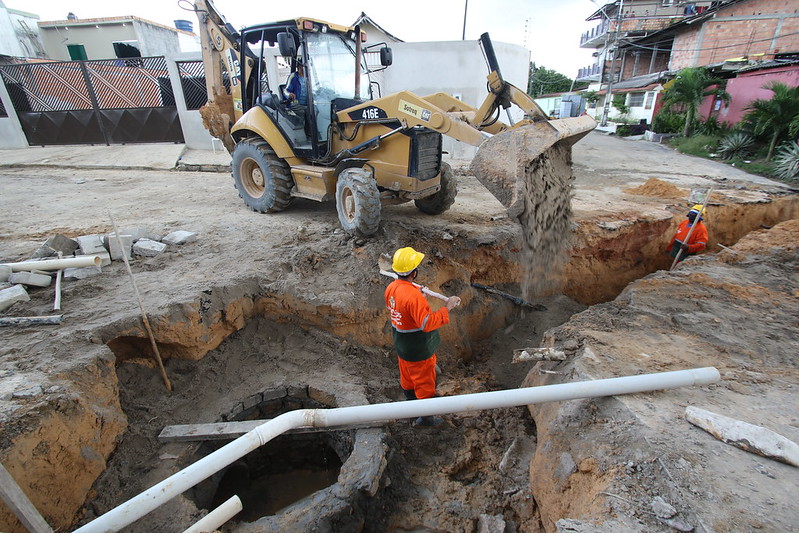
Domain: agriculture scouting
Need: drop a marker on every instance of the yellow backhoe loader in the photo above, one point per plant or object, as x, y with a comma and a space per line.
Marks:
341, 143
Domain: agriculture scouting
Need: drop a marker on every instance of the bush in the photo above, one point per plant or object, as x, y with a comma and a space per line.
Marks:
786, 164
713, 127
736, 145
668, 122
698, 145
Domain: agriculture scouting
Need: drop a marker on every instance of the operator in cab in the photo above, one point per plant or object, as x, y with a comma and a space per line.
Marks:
296, 91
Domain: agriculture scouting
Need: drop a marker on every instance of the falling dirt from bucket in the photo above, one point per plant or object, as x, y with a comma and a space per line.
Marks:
546, 219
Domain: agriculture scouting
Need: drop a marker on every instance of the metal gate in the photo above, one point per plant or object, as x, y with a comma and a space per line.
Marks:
110, 101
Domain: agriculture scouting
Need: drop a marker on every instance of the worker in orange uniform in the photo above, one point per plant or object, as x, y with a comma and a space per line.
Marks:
415, 329
698, 239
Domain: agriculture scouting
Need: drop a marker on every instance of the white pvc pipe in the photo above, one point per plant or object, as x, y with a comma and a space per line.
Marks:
56, 264
213, 520
138, 506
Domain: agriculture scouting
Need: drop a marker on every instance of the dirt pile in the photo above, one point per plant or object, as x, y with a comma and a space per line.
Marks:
657, 188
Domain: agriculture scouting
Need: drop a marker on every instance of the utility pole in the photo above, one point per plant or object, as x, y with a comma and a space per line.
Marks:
608, 93
465, 9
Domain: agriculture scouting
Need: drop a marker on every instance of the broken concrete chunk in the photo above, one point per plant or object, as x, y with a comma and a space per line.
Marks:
537, 354
5, 272
30, 279
81, 273
148, 247
679, 525
490, 523
749, 437
661, 508
180, 237
28, 393
42, 252
62, 244
114, 247
139, 234
9, 297
91, 244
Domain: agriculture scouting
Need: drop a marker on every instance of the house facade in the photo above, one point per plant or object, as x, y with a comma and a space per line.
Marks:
732, 38
19, 34
109, 38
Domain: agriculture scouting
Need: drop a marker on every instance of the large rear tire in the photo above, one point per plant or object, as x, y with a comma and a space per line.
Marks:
358, 202
444, 198
262, 178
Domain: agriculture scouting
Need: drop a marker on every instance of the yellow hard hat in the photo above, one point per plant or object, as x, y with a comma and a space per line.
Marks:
698, 209
406, 260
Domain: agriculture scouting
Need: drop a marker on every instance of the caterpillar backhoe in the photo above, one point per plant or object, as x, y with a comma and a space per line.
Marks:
346, 143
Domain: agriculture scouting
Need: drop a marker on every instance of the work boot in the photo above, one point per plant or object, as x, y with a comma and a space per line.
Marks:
428, 421
409, 394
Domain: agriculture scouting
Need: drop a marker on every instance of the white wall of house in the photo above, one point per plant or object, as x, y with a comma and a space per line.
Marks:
19, 34
11, 134
641, 103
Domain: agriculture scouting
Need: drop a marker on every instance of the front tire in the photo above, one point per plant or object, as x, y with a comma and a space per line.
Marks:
444, 198
358, 202
262, 178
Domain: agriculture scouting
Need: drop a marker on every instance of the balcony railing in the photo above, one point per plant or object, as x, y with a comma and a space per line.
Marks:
591, 72
595, 33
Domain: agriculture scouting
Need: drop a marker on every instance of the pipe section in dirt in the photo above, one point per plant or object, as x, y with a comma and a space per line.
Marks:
152, 498
56, 264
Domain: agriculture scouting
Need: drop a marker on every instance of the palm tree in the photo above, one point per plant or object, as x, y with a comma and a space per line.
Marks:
688, 89
776, 116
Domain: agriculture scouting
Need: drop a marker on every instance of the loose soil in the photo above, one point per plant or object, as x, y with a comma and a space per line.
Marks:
289, 300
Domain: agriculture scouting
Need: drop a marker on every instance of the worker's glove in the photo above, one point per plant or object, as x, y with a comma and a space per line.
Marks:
684, 249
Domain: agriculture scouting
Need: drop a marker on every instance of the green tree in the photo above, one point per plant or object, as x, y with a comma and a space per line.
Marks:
544, 81
620, 103
687, 91
776, 116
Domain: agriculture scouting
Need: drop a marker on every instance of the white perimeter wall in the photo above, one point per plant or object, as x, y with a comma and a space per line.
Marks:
454, 67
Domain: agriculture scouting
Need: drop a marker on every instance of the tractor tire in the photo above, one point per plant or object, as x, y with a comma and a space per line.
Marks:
358, 202
444, 198
262, 178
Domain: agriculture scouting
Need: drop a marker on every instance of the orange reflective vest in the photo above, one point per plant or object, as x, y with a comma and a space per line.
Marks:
414, 323
698, 237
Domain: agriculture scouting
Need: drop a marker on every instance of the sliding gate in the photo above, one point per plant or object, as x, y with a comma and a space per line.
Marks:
110, 101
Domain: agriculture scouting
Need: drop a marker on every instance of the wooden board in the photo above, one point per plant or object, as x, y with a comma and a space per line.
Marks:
232, 430
20, 505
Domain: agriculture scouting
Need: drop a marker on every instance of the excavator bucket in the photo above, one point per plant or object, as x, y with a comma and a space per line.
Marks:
508, 162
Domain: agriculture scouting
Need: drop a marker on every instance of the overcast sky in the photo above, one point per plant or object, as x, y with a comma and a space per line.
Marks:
549, 29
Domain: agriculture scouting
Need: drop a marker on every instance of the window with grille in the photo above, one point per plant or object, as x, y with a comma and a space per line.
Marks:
650, 99
636, 99
3, 110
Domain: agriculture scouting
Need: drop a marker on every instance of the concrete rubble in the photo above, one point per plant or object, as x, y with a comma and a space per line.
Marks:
135, 241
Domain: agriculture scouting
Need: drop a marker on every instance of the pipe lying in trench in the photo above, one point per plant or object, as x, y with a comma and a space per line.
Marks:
138, 506
56, 264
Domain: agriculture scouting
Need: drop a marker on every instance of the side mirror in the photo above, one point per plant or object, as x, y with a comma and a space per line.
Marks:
286, 44
386, 56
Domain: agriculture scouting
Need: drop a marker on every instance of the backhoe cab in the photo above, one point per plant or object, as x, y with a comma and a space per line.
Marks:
343, 142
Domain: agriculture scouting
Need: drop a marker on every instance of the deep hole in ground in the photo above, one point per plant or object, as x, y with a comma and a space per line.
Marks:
274, 353
277, 338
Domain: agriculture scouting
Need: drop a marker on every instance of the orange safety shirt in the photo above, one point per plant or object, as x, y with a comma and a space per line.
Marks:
414, 323
698, 237
409, 309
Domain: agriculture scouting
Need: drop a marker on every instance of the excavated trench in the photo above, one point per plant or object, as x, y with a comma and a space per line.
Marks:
240, 353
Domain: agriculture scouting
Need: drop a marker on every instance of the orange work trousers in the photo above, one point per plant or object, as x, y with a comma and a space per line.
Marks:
420, 377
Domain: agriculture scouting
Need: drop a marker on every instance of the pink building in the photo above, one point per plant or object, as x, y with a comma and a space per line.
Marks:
748, 86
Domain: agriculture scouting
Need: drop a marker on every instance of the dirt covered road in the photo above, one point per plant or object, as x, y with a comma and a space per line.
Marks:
288, 300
